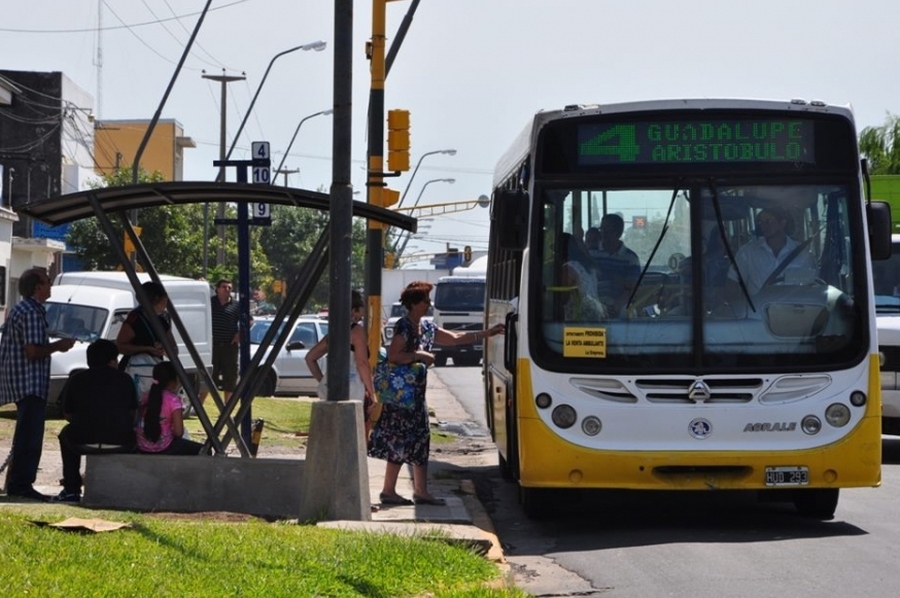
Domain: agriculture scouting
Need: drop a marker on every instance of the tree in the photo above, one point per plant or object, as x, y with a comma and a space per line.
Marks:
290, 239
881, 146
172, 235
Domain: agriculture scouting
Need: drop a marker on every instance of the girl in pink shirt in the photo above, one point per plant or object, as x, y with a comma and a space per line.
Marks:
160, 424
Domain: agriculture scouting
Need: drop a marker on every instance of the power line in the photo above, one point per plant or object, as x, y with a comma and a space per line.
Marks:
114, 27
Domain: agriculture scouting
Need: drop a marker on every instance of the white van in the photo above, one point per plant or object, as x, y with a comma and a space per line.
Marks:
92, 305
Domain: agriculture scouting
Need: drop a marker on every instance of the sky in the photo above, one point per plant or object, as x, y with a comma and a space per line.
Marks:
472, 73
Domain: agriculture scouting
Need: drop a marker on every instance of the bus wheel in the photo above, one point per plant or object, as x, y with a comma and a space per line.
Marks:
819, 503
535, 502
440, 360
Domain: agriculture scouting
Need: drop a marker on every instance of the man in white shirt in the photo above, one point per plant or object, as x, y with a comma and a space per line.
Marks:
760, 257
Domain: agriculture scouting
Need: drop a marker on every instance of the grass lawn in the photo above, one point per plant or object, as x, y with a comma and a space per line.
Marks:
165, 557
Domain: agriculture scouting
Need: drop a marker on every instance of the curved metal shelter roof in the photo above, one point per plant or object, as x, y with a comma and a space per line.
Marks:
75, 206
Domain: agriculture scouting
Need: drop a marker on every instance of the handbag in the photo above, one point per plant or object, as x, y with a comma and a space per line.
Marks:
396, 384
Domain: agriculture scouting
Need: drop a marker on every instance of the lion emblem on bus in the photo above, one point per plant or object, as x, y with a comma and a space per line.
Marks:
700, 428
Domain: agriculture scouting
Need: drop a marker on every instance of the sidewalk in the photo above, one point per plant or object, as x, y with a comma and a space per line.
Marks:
462, 519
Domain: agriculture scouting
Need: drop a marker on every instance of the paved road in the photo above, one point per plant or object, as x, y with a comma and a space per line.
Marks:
713, 545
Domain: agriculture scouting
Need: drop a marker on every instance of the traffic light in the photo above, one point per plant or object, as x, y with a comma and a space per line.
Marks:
467, 253
398, 140
389, 197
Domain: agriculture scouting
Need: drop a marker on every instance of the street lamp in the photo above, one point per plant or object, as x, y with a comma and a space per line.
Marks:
318, 46
297, 130
449, 152
399, 252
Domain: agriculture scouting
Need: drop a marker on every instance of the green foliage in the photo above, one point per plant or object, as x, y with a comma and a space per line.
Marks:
173, 237
290, 239
881, 146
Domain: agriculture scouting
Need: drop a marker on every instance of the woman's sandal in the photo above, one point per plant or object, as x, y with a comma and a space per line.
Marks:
394, 499
429, 500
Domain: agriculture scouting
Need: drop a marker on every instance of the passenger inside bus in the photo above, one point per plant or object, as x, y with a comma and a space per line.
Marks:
578, 281
758, 259
618, 266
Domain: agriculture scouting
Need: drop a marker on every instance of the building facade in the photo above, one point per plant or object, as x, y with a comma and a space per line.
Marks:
117, 142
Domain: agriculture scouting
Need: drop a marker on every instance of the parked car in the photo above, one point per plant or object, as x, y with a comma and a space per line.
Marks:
289, 375
397, 312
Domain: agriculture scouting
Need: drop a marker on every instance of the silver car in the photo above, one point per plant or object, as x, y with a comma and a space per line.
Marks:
290, 375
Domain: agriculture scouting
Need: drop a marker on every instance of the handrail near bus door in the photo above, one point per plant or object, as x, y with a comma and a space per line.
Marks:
510, 342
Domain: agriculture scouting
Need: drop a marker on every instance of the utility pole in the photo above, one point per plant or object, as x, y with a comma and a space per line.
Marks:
220, 211
286, 172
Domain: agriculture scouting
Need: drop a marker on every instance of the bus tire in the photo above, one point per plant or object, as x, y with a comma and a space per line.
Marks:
535, 502
819, 503
440, 360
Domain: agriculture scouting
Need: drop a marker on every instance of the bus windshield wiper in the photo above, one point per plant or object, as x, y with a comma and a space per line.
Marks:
720, 223
662, 235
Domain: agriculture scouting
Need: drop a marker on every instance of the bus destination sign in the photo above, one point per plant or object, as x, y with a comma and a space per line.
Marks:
715, 141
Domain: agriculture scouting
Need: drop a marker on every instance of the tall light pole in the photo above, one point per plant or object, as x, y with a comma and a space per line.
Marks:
297, 130
449, 152
318, 46
399, 251
220, 212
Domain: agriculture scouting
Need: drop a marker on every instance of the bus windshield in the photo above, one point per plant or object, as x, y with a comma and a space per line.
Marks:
699, 274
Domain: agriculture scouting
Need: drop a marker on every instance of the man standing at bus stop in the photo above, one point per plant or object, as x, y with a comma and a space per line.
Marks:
25, 351
226, 319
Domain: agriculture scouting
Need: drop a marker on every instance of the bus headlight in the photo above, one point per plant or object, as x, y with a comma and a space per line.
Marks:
591, 425
837, 414
811, 424
543, 400
564, 416
857, 398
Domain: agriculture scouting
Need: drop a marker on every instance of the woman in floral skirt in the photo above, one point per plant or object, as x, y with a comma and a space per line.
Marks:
401, 434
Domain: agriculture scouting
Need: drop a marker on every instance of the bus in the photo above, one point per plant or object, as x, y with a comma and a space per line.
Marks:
690, 366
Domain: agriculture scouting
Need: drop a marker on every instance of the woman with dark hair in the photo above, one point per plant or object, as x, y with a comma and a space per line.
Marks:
160, 424
138, 343
361, 377
401, 434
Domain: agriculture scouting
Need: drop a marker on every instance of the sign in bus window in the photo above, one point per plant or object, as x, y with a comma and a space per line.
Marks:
584, 342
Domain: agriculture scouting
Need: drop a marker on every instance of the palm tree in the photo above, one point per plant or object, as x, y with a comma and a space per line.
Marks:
881, 146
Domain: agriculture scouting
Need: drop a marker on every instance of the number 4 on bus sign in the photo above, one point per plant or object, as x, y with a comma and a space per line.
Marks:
262, 168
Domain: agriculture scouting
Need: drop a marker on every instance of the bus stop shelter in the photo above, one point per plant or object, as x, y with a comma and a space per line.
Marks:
116, 202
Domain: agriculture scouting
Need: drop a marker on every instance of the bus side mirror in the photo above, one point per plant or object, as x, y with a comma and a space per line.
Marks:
510, 215
878, 217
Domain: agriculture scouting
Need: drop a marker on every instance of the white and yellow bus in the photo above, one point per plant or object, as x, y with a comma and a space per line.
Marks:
731, 353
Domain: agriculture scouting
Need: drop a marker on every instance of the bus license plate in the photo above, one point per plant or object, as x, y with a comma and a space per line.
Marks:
787, 476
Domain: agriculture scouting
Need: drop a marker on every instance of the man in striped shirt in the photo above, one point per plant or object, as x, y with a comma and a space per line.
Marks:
226, 318
25, 350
